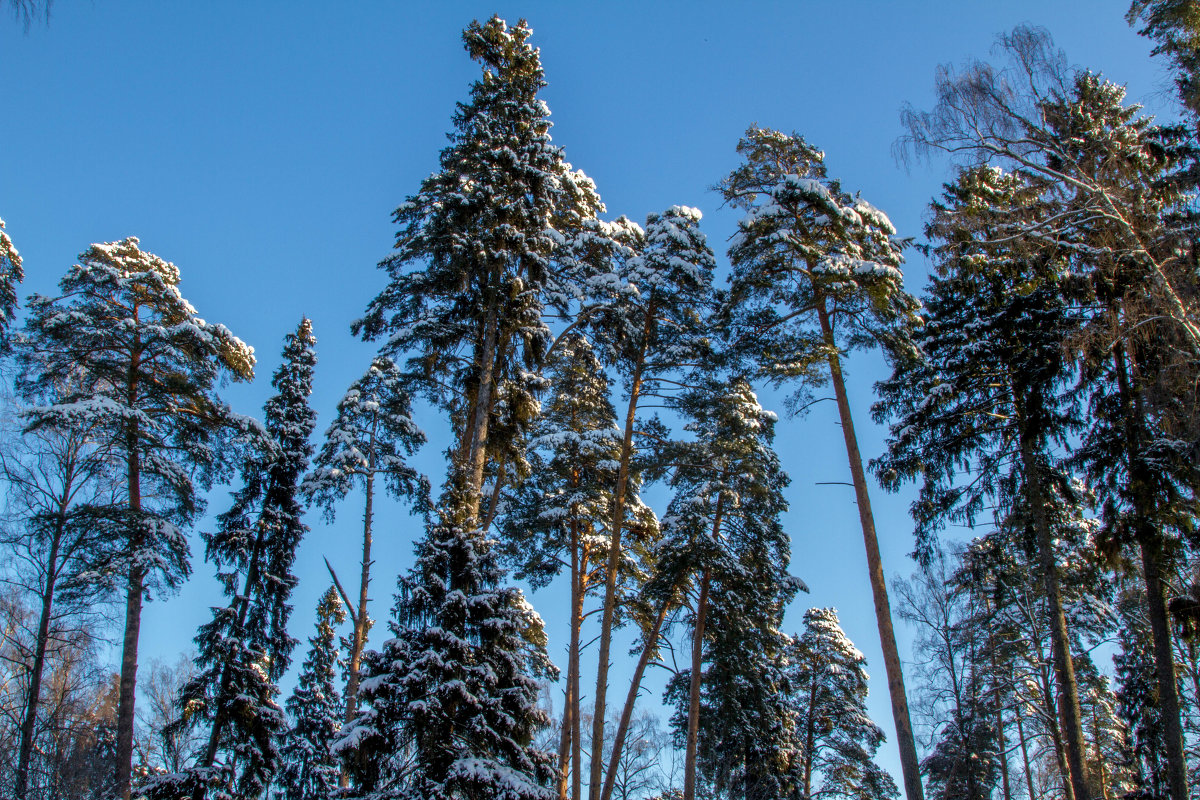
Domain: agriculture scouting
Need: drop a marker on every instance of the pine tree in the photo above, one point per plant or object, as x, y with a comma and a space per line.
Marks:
648, 316
150, 365
816, 272
561, 513
11, 274
307, 768
245, 650
370, 438
828, 685
722, 534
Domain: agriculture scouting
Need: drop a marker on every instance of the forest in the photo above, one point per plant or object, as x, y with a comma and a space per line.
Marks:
610, 455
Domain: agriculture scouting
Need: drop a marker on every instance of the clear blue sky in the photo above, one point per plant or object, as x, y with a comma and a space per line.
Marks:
262, 146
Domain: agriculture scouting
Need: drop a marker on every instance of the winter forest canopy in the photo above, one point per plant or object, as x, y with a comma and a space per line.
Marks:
579, 497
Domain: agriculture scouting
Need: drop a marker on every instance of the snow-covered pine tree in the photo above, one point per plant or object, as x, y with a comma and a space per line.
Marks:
827, 680
648, 317
151, 365
369, 438
722, 535
308, 769
475, 260
449, 705
11, 274
559, 515
817, 272
244, 651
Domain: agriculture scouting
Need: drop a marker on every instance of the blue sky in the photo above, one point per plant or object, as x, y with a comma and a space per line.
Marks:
262, 146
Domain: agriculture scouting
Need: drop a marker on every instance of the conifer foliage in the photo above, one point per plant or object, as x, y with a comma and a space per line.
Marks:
151, 364
246, 649
308, 769
828, 684
11, 273
369, 438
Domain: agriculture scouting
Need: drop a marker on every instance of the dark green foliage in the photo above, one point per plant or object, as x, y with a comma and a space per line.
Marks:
308, 769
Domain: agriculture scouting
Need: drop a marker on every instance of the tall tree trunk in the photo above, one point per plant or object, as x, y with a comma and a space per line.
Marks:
127, 691
693, 728
635, 686
810, 735
476, 433
909, 764
1150, 547
596, 789
1054, 725
1060, 643
29, 722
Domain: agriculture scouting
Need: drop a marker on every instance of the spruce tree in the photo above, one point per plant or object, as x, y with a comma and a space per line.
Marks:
828, 686
369, 438
475, 261
989, 391
817, 272
450, 702
307, 768
245, 650
11, 274
151, 365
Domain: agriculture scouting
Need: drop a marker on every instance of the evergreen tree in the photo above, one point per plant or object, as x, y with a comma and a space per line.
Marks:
370, 438
245, 650
11, 274
475, 262
150, 365
722, 534
988, 392
307, 768
816, 272
450, 703
648, 316
828, 685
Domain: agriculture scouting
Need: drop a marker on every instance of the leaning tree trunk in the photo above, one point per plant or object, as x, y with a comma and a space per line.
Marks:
635, 685
909, 764
1024, 751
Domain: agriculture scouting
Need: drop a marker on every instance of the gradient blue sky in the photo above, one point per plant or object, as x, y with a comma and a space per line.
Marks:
261, 146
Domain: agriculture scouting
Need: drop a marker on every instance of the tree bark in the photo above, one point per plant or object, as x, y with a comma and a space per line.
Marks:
571, 702
909, 764
127, 691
